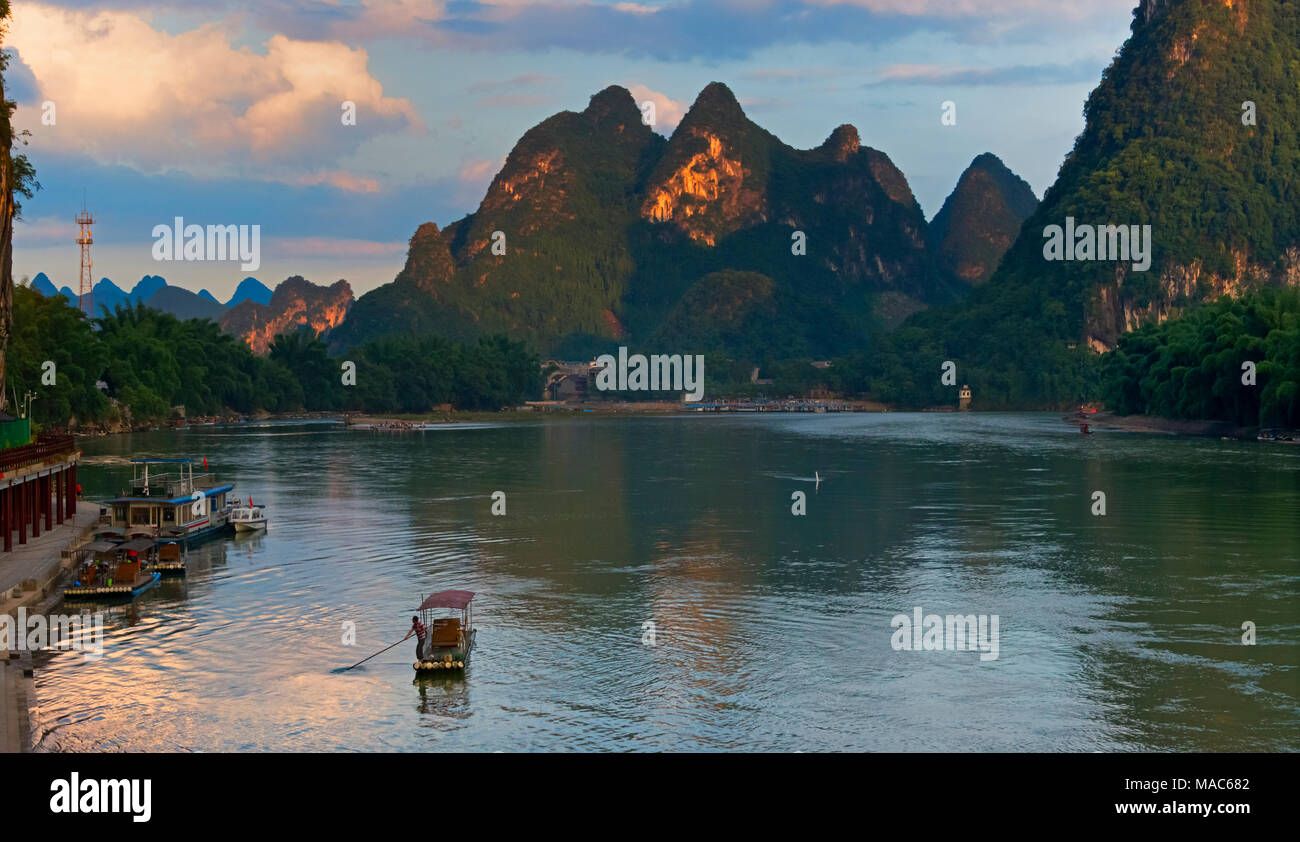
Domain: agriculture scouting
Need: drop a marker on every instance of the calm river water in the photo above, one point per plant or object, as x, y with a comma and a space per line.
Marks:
772, 631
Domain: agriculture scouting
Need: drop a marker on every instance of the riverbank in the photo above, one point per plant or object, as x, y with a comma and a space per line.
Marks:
1169, 426
15, 723
392, 421
396, 422
29, 578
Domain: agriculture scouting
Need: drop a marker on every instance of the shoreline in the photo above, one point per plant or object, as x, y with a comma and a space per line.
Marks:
404, 422
30, 576
1166, 426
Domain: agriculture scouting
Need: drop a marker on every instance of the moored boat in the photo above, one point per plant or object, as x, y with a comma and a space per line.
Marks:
110, 571
248, 518
161, 503
448, 640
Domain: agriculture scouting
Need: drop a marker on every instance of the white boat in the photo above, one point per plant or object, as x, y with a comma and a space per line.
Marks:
248, 518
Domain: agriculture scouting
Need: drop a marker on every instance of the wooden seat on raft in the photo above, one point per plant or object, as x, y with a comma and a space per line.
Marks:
445, 632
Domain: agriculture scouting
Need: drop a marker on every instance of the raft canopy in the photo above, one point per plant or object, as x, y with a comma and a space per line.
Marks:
447, 599
100, 546
137, 545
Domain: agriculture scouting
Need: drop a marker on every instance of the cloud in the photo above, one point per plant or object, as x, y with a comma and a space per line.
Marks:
523, 80
676, 29
1084, 70
513, 100
668, 112
980, 8
342, 180
44, 230
480, 172
155, 101
334, 247
792, 74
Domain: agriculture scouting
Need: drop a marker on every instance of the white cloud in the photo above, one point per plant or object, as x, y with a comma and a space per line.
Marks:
45, 229
129, 94
668, 111
977, 8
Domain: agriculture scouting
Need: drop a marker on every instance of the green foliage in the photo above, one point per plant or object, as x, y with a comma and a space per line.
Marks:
49, 329
1163, 145
1191, 367
412, 374
152, 361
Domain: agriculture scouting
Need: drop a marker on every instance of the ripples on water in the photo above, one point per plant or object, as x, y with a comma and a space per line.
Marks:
773, 631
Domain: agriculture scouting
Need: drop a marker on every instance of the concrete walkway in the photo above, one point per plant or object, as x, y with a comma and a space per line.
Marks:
14, 726
36, 563
34, 560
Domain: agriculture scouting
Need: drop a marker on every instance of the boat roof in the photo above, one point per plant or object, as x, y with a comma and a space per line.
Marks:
210, 492
100, 546
175, 461
137, 544
447, 599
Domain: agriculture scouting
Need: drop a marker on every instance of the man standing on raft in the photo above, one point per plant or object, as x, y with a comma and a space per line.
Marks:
417, 629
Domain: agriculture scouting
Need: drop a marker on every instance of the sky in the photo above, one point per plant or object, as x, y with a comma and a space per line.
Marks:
224, 112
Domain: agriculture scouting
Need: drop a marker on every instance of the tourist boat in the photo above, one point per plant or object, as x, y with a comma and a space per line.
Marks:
450, 639
1276, 434
162, 503
248, 518
110, 571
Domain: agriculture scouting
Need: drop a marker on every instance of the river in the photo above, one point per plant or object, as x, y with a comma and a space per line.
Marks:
772, 631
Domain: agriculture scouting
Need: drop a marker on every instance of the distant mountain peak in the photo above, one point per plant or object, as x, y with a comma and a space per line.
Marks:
981, 219
717, 97
614, 103
842, 143
44, 285
148, 286
250, 289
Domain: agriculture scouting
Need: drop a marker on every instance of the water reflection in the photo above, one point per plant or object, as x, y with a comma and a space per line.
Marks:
772, 631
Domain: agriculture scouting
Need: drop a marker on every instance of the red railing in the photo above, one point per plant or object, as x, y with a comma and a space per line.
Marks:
46, 446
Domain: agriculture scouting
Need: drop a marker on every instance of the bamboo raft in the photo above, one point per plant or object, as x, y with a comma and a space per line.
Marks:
450, 638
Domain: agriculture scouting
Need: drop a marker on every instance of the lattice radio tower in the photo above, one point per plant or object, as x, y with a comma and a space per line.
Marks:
84, 221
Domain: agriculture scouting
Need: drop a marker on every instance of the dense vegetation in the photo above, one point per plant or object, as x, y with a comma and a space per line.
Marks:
150, 362
1164, 144
17, 181
1191, 367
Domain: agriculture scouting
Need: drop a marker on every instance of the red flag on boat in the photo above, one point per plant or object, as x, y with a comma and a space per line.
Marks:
205, 463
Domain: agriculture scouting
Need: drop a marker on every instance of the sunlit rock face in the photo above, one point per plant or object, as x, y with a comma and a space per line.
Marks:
296, 304
597, 228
